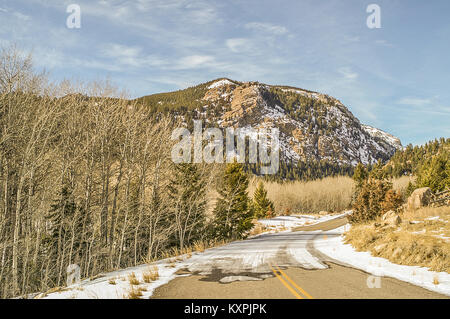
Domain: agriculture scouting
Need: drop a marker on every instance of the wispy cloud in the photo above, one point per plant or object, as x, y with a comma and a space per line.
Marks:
266, 27
237, 45
348, 73
194, 61
384, 43
414, 101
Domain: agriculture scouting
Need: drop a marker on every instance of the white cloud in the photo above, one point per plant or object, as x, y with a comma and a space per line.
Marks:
16, 14
384, 43
119, 50
267, 27
414, 101
348, 73
238, 44
194, 61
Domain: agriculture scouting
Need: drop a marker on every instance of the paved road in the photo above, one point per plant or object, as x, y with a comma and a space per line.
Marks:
280, 266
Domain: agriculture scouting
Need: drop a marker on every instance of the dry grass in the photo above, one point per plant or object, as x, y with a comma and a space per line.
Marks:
112, 281
134, 293
133, 280
419, 243
177, 253
329, 194
426, 212
199, 246
436, 280
258, 229
151, 274
52, 290
400, 184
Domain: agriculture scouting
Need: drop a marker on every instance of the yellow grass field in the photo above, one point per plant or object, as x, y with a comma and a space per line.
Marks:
329, 194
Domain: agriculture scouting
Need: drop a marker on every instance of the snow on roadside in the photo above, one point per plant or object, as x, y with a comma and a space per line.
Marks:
286, 223
335, 248
115, 285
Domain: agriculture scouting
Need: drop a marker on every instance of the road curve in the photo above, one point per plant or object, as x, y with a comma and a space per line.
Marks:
281, 266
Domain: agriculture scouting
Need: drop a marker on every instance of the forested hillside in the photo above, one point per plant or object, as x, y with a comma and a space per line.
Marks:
412, 158
319, 136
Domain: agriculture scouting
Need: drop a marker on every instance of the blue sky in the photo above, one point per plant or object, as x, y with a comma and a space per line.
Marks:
396, 78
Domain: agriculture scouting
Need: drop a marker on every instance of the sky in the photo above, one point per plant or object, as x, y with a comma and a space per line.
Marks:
396, 77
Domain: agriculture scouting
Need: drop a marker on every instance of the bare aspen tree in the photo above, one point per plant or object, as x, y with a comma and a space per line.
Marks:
85, 179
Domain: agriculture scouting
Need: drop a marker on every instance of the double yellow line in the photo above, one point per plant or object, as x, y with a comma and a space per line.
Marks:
293, 287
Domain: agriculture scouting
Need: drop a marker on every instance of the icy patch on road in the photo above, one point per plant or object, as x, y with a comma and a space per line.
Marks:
305, 259
335, 248
230, 279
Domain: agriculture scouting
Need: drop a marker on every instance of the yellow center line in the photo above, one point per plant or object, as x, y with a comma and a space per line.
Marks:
294, 284
286, 284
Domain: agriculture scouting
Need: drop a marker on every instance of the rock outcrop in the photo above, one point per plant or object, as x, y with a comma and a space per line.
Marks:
421, 197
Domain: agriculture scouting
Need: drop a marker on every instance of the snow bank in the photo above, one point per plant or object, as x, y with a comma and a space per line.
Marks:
115, 285
335, 248
289, 222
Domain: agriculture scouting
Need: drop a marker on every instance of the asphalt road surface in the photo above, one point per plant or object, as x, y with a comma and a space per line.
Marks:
281, 266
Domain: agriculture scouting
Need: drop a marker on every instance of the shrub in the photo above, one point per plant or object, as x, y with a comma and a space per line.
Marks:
369, 200
392, 200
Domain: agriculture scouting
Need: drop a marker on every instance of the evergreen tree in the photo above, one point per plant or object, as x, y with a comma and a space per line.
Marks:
233, 213
188, 192
435, 173
59, 218
261, 204
360, 175
64, 227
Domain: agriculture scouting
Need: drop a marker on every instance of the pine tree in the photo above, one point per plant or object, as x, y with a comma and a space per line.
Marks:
59, 218
233, 213
435, 173
188, 192
261, 204
360, 176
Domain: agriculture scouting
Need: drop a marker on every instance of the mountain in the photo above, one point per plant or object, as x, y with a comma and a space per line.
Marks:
384, 136
314, 127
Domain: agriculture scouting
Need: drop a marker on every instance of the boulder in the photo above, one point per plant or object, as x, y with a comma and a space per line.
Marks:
391, 218
419, 198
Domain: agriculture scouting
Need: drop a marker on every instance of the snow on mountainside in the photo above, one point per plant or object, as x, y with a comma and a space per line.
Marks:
313, 126
389, 138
